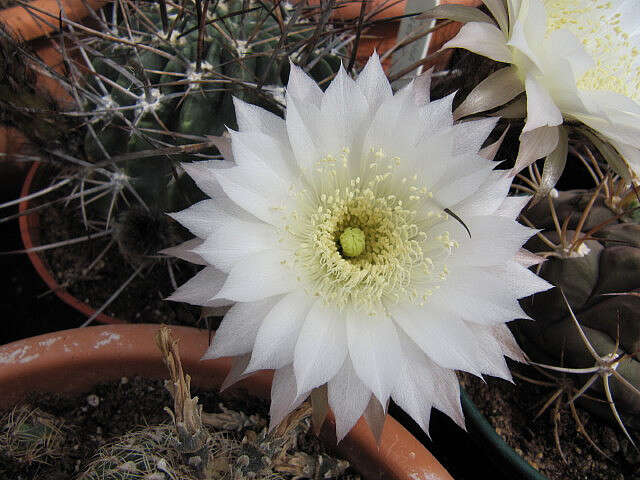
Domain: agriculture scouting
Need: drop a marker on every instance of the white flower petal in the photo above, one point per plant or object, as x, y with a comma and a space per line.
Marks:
239, 328
528, 32
243, 187
502, 283
383, 131
259, 276
343, 111
494, 363
445, 339
302, 131
276, 340
512, 206
303, 88
348, 398
470, 135
456, 189
374, 351
235, 240
321, 347
202, 174
488, 198
541, 109
497, 89
507, 342
284, 396
482, 38
567, 46
422, 384
252, 118
238, 365
475, 308
376, 415
200, 289
482, 249
536, 144
184, 251
258, 152
373, 84
436, 116
208, 215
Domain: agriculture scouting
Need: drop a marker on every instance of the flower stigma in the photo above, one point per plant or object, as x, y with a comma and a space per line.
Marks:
352, 241
363, 240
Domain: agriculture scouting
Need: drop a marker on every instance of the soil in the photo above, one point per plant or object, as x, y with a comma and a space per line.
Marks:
142, 300
110, 410
511, 410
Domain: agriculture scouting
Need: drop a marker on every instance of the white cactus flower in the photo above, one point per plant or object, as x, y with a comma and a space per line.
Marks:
336, 236
577, 60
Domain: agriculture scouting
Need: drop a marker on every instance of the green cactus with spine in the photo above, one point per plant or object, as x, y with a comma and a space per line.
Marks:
591, 239
175, 78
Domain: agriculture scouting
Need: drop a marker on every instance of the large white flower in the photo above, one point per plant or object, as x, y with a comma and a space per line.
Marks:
333, 235
577, 59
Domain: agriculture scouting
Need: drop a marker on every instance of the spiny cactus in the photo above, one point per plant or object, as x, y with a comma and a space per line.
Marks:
171, 76
591, 239
30, 435
146, 453
153, 84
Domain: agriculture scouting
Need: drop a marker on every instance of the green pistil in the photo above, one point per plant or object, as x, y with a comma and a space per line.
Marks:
352, 241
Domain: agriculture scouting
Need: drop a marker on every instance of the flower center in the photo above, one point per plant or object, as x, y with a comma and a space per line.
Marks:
352, 241
364, 242
598, 26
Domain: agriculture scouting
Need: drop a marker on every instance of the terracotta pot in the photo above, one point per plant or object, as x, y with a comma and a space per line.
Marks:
446, 33
41, 17
12, 140
30, 234
72, 361
383, 36
12, 171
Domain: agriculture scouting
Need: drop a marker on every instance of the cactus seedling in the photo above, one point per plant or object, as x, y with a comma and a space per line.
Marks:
30, 435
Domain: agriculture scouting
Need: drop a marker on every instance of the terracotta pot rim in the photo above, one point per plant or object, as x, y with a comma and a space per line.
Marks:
74, 360
26, 23
27, 224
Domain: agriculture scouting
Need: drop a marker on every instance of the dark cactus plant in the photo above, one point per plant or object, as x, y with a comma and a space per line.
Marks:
589, 327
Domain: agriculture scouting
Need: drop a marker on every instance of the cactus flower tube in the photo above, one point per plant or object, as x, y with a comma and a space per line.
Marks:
366, 247
577, 60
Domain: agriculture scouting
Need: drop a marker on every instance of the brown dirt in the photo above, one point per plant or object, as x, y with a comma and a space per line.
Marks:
123, 407
142, 301
511, 410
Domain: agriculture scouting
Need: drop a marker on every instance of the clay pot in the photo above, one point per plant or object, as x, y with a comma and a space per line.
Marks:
72, 361
41, 17
30, 234
446, 33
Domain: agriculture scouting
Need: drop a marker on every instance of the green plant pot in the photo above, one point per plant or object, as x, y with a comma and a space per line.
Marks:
499, 452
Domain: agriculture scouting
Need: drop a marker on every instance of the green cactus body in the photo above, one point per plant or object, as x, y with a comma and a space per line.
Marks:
156, 89
606, 264
168, 89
